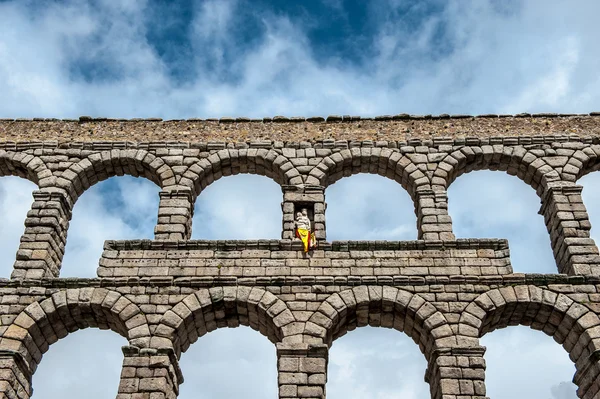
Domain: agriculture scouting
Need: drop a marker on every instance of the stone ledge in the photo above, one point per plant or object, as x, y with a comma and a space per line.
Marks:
509, 279
283, 258
213, 146
287, 245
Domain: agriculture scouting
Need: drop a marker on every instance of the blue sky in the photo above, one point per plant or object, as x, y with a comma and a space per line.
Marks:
228, 57
186, 59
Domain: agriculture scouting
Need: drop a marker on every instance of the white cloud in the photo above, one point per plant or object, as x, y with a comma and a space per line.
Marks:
591, 197
84, 359
240, 207
216, 359
376, 363
535, 365
369, 207
525, 58
15, 202
493, 204
119, 208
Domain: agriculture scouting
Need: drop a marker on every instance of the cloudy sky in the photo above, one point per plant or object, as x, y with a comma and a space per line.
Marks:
216, 58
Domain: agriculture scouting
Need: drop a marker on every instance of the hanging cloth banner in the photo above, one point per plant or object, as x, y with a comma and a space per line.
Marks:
305, 236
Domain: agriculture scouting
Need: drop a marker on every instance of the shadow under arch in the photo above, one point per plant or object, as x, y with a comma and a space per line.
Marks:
571, 324
379, 306
230, 162
44, 322
385, 162
24, 165
210, 308
103, 165
516, 161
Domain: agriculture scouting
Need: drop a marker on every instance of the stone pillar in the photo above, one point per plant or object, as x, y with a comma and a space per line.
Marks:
303, 196
149, 373
587, 377
175, 211
457, 373
302, 370
568, 223
42, 245
15, 376
433, 220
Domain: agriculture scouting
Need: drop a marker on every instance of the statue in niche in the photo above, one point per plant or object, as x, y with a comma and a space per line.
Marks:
304, 230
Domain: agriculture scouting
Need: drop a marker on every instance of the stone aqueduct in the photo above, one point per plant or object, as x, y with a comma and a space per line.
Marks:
163, 294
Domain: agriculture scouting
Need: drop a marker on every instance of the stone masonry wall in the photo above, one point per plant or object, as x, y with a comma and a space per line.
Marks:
281, 258
401, 127
163, 295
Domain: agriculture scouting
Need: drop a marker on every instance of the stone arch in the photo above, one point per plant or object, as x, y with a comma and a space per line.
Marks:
26, 166
385, 162
582, 162
229, 162
117, 162
571, 324
44, 322
379, 306
516, 161
210, 308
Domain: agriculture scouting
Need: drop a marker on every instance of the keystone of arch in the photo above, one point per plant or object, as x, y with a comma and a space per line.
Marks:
385, 162
26, 166
378, 306
210, 308
44, 322
100, 166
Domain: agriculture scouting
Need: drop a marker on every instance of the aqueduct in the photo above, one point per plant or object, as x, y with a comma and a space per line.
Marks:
162, 295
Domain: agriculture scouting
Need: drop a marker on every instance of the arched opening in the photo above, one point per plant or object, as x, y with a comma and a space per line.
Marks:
487, 204
238, 354
369, 207
116, 209
571, 325
591, 199
15, 202
84, 364
238, 207
376, 363
532, 362
207, 310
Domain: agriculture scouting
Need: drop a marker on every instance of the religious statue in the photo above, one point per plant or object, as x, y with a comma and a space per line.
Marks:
304, 230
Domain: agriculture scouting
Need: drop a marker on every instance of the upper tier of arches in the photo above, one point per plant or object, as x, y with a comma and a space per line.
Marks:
420, 170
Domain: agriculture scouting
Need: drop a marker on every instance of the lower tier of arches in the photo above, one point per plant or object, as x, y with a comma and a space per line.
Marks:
160, 321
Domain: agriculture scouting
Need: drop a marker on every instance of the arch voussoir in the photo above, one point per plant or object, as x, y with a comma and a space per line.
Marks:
385, 162
26, 166
210, 308
230, 162
379, 306
100, 166
44, 322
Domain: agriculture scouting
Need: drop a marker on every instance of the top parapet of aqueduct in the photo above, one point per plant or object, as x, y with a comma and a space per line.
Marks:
402, 127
